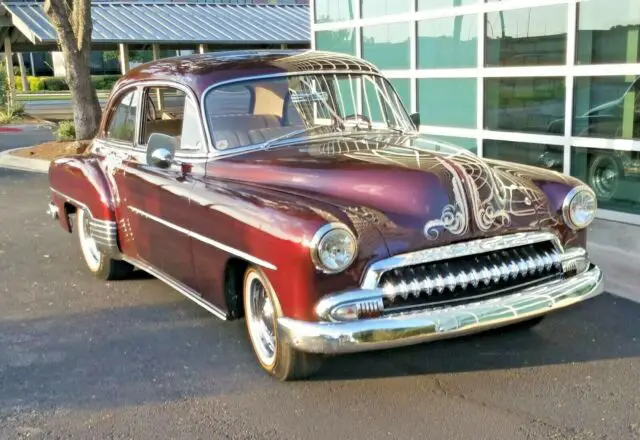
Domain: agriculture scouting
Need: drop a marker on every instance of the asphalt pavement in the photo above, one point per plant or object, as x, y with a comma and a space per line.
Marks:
133, 359
24, 136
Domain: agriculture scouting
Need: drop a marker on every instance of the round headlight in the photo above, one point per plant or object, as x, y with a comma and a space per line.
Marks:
579, 207
333, 248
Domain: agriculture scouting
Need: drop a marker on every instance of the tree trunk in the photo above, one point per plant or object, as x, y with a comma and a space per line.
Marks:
72, 21
86, 107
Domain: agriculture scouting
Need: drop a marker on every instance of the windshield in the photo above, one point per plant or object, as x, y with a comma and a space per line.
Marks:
271, 110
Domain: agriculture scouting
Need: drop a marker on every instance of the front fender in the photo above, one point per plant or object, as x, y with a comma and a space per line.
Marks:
80, 181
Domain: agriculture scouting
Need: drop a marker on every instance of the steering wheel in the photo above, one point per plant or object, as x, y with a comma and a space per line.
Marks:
357, 116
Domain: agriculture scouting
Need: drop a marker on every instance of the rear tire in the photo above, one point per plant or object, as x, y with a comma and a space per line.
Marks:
100, 265
262, 309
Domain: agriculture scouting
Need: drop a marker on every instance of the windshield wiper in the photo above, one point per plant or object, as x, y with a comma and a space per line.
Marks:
270, 142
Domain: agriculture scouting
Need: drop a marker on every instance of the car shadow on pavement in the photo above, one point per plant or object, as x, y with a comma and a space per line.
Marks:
167, 352
605, 327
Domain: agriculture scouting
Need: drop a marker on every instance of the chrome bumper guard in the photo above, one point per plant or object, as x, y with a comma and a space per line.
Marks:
336, 337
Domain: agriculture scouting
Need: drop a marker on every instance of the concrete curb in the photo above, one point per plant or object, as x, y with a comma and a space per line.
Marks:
8, 160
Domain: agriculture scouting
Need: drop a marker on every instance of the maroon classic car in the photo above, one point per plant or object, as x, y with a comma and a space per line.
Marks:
292, 188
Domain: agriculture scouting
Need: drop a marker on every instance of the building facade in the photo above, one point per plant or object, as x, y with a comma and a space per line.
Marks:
550, 83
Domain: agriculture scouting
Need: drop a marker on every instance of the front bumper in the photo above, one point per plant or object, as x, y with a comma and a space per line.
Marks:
448, 322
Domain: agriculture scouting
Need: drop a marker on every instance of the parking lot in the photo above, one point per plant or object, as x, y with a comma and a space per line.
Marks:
133, 359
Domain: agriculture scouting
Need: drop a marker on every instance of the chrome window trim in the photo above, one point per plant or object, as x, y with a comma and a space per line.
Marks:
115, 95
215, 153
375, 270
189, 94
204, 239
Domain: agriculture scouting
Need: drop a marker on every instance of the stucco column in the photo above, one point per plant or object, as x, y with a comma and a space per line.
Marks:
202, 48
124, 58
11, 95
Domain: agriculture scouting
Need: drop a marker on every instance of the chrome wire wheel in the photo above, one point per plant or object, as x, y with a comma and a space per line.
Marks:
88, 245
261, 319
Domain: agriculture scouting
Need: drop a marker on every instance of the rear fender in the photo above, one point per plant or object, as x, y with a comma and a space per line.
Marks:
80, 182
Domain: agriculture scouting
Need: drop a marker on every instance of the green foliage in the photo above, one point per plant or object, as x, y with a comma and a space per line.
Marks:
12, 114
35, 83
66, 131
54, 83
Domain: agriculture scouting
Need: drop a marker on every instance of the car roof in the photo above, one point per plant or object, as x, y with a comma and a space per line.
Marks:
200, 71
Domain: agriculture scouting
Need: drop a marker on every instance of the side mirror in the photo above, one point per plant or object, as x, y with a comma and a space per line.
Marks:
415, 118
160, 150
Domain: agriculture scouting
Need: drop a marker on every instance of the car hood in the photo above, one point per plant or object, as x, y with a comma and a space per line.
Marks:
418, 192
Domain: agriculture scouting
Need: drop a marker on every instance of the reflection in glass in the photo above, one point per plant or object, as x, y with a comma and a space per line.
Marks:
377, 8
403, 89
448, 42
613, 175
608, 32
470, 144
340, 40
447, 101
523, 104
333, 10
526, 37
607, 107
387, 45
537, 155
443, 4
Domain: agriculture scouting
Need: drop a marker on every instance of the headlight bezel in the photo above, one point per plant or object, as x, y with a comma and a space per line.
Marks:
568, 200
317, 239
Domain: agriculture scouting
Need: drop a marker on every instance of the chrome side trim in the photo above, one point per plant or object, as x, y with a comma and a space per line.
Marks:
424, 326
204, 239
105, 234
373, 273
177, 285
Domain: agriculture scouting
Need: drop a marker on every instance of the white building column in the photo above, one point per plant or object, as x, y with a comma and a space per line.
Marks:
202, 48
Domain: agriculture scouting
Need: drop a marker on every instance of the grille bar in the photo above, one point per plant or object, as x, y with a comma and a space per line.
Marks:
469, 276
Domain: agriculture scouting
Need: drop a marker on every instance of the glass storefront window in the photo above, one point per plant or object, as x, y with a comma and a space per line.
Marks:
608, 32
613, 175
339, 40
442, 4
387, 45
526, 37
537, 155
333, 10
403, 89
447, 101
607, 107
448, 42
466, 143
531, 105
379, 8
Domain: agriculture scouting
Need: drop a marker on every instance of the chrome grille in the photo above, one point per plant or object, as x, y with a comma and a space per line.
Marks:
468, 277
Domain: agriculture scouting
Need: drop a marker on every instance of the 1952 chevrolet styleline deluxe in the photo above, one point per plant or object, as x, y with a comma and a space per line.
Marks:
292, 188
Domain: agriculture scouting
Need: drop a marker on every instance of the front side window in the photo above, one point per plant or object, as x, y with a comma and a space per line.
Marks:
172, 112
122, 126
272, 109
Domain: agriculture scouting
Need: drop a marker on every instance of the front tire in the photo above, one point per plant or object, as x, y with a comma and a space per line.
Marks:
262, 310
100, 265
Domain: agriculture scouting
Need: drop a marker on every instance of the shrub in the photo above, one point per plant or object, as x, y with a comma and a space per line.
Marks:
66, 131
54, 83
3, 82
12, 114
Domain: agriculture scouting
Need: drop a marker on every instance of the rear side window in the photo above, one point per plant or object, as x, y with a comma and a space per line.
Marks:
122, 126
